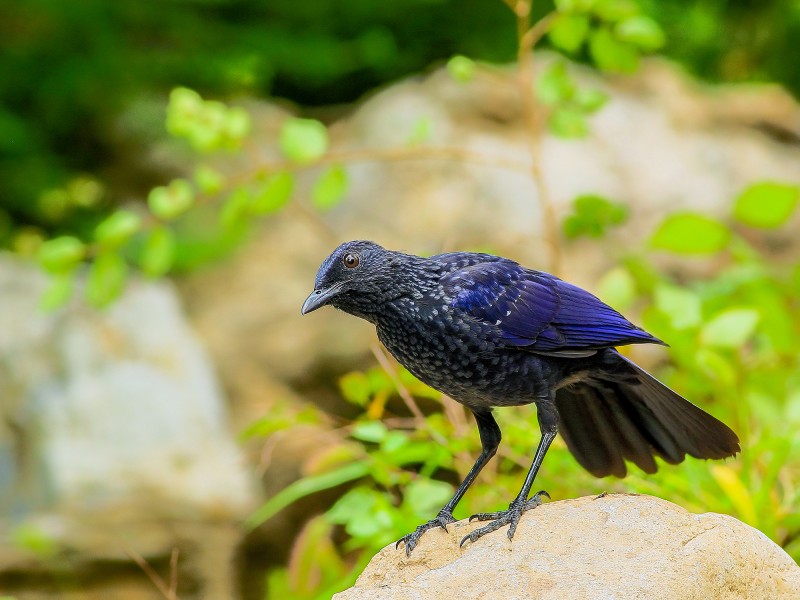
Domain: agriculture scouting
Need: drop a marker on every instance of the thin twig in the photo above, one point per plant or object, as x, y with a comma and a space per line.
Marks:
527, 38
173, 574
169, 592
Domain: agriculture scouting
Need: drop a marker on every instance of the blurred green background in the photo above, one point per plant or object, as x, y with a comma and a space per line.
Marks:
89, 88
68, 70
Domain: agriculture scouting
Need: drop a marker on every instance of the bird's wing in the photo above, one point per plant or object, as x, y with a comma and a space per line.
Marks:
538, 311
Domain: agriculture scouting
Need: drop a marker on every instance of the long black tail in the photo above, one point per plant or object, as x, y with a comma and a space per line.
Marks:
624, 413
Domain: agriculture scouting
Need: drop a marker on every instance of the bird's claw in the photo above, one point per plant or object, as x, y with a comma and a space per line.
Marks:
410, 540
509, 517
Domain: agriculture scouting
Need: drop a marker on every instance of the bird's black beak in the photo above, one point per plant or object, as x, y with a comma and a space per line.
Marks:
319, 298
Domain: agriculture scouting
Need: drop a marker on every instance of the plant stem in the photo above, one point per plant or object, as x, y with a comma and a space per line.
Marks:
532, 115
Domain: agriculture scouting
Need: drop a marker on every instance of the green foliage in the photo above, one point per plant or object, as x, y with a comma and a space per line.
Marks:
303, 140
277, 191
330, 188
766, 204
461, 68
592, 215
207, 124
691, 233
733, 350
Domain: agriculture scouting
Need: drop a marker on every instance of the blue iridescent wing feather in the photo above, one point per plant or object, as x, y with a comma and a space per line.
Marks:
536, 310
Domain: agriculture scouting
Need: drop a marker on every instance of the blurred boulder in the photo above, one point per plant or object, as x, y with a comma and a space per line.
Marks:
114, 435
663, 142
616, 546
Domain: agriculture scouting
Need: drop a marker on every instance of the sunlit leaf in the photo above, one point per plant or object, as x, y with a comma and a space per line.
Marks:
355, 388
682, 306
568, 122
58, 292
208, 179
117, 228
171, 201
766, 204
461, 68
617, 288
303, 140
427, 495
690, 233
369, 431
730, 328
330, 188
277, 191
590, 100
641, 31
610, 54
568, 31
61, 254
158, 251
106, 279
555, 86
592, 215
304, 487
737, 493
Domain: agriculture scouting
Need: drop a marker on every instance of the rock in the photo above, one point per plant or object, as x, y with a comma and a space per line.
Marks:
619, 546
114, 433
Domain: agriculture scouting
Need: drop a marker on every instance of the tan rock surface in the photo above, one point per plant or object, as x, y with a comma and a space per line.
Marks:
618, 546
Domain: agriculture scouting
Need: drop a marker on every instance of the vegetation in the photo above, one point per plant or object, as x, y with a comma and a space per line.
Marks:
733, 335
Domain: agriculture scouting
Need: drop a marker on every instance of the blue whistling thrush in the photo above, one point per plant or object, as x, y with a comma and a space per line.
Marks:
490, 333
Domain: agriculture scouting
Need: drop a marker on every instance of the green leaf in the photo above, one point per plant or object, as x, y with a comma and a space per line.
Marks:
158, 252
237, 123
614, 10
590, 100
592, 215
369, 431
567, 122
617, 288
355, 388
274, 195
426, 495
171, 201
303, 140
330, 188
117, 228
58, 292
304, 487
690, 233
568, 31
611, 54
683, 307
766, 204
461, 68
235, 208
554, 85
730, 328
575, 5
715, 366
106, 279
61, 254
208, 179
641, 31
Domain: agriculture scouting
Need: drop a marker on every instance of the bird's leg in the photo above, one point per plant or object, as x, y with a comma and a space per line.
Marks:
548, 424
490, 440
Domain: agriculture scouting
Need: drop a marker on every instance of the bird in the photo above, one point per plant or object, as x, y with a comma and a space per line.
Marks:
491, 333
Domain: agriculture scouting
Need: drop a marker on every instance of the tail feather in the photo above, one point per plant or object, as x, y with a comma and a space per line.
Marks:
627, 414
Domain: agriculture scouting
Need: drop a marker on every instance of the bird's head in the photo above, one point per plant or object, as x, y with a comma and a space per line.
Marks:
356, 275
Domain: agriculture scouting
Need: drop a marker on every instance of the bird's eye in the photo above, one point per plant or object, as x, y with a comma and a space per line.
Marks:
350, 261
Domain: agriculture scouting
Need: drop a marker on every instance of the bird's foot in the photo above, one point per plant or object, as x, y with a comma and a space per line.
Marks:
441, 520
508, 517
